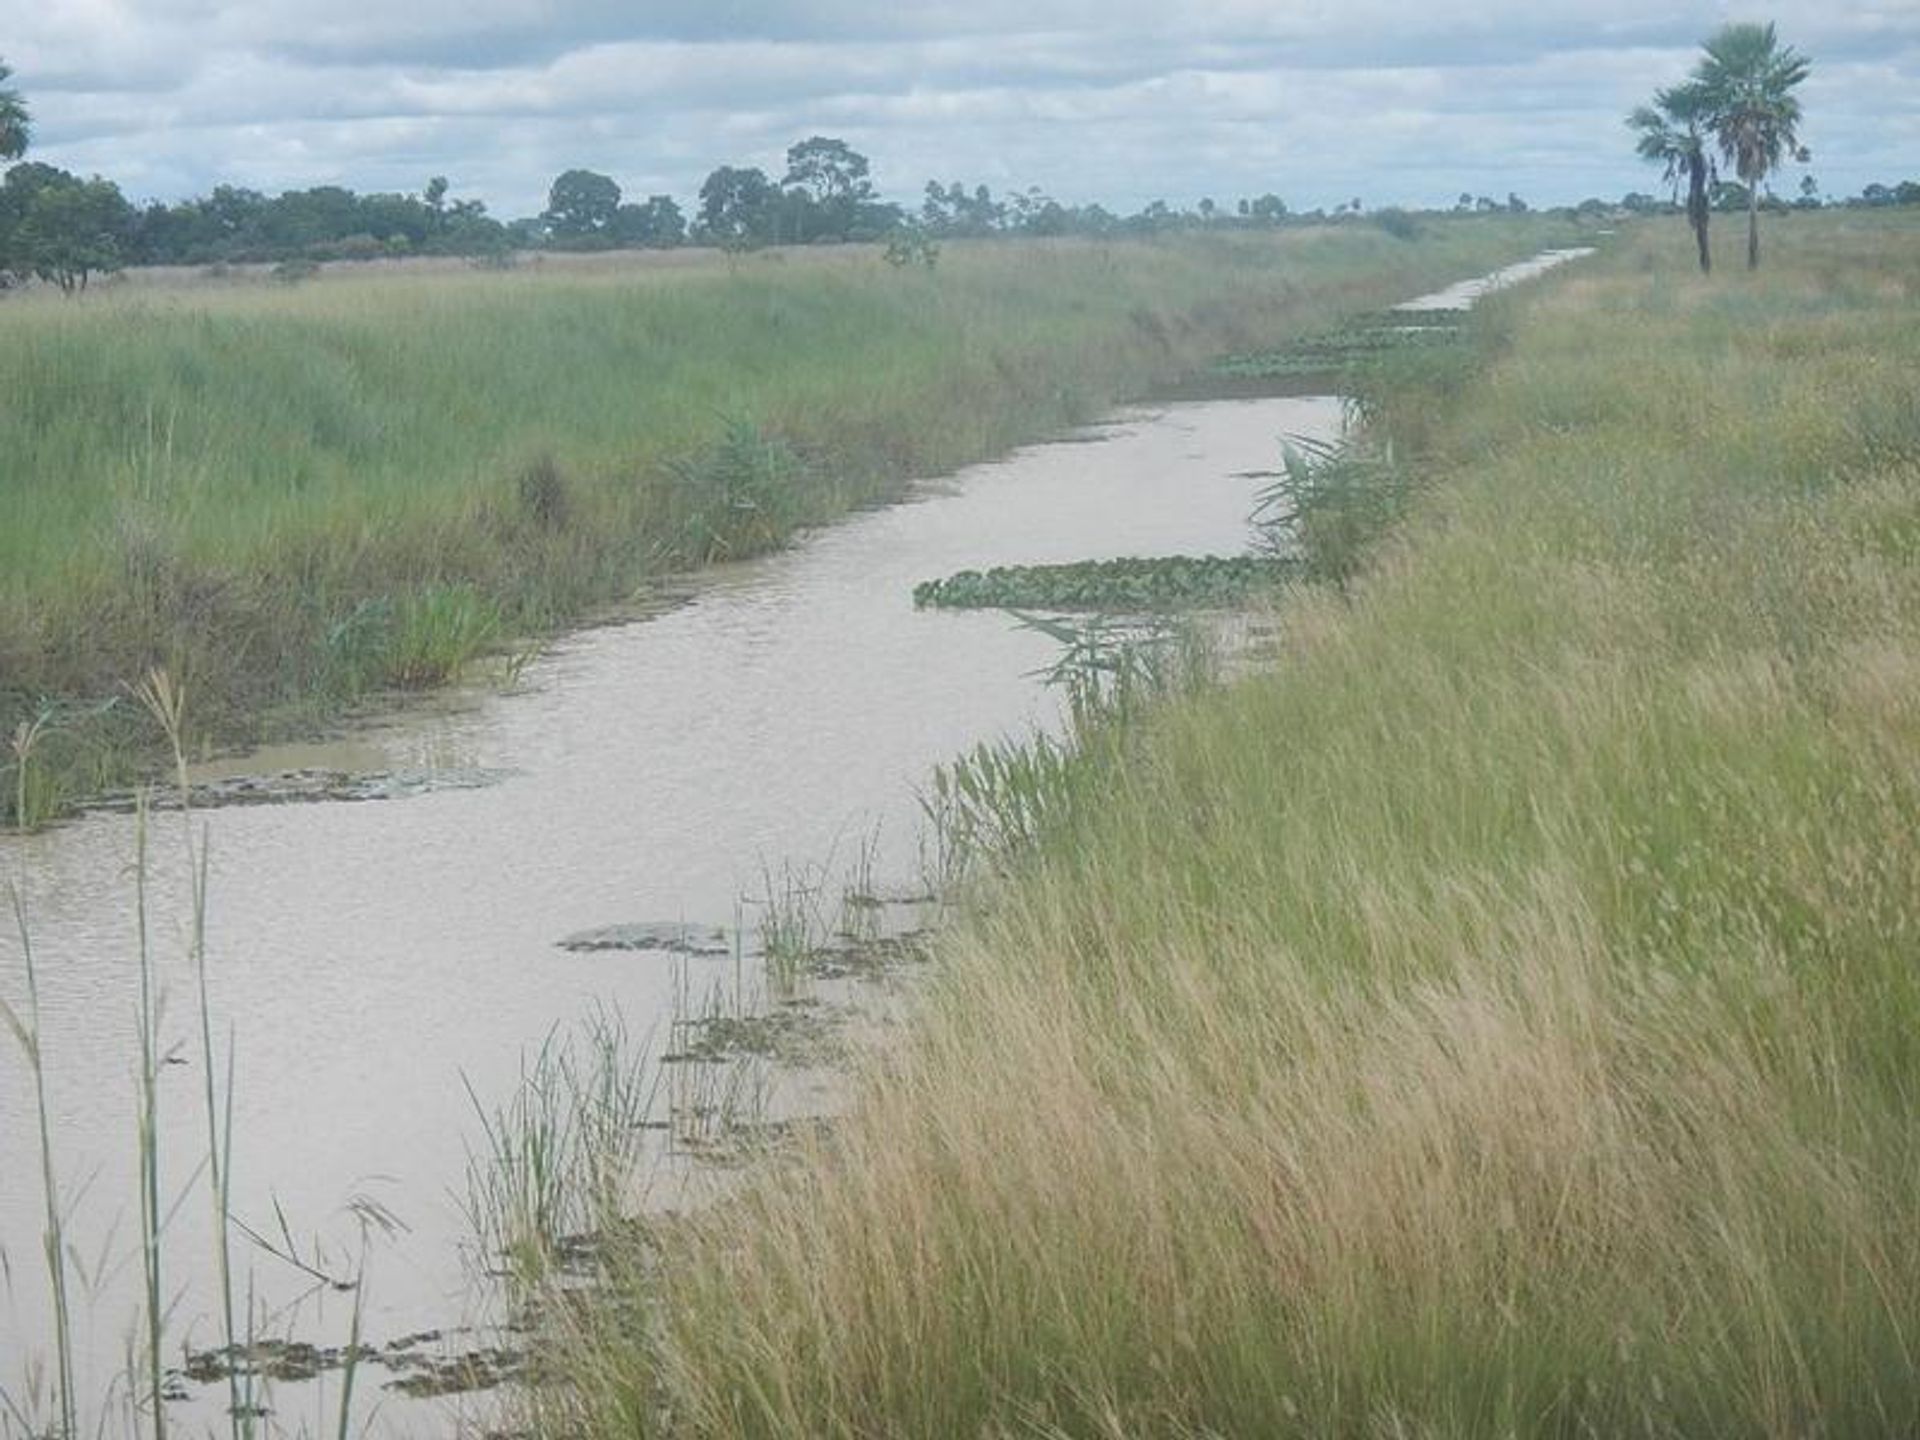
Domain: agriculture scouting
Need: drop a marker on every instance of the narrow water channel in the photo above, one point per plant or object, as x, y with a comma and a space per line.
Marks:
377, 964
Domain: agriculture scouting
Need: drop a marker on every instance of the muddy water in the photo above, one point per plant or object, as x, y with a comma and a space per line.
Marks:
366, 957
1463, 295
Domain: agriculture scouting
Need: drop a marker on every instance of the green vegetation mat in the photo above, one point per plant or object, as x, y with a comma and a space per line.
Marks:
1134, 585
1358, 343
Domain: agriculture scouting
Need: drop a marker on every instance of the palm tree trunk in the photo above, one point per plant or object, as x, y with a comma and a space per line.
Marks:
1698, 211
1753, 225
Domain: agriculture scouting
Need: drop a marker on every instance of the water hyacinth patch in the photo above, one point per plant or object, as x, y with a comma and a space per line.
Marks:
1332, 352
1131, 585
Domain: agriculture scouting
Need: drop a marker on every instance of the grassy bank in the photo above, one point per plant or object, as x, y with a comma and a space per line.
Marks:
1498, 1018
292, 497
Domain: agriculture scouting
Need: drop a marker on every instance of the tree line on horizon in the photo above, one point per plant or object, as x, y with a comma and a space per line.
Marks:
62, 228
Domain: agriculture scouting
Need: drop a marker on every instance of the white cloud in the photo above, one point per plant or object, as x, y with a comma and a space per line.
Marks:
1120, 101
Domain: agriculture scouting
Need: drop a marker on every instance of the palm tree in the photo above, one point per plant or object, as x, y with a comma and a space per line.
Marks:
1670, 132
13, 119
1747, 79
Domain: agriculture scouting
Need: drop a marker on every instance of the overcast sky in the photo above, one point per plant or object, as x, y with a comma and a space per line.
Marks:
1120, 101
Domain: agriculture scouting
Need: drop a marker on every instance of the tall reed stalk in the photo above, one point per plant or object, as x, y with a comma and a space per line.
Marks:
166, 701
147, 1147
27, 1034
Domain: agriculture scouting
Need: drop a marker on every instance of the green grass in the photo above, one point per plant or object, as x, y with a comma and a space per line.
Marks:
1497, 1018
291, 497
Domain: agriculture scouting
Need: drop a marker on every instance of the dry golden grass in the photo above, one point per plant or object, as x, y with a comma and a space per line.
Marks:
1500, 1019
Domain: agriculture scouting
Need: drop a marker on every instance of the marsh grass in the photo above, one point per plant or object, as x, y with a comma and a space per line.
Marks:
1331, 504
741, 497
1497, 1019
1004, 798
293, 497
558, 1159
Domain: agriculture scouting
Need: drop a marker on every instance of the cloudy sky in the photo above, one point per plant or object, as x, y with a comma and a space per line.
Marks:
1120, 101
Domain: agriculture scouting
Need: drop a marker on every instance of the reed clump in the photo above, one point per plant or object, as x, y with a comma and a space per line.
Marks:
1498, 1018
295, 497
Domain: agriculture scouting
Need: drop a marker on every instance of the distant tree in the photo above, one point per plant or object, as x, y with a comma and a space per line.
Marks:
301, 220
434, 197
1208, 210
1746, 81
1729, 196
17, 193
954, 210
525, 233
1155, 215
1047, 216
16, 129
1671, 133
828, 195
656, 225
1269, 208
581, 207
1809, 193
1096, 220
829, 170
1515, 205
738, 205
233, 213
941, 209
68, 229
985, 211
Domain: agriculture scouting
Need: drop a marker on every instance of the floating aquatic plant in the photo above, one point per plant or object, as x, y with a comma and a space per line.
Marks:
1127, 586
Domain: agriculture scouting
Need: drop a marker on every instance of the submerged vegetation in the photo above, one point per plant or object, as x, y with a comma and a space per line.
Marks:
1497, 1017
295, 498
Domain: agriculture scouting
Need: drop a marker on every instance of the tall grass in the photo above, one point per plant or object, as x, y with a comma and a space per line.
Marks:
1498, 1018
558, 1159
291, 497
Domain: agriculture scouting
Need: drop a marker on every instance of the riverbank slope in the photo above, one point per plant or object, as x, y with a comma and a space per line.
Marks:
1499, 1017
